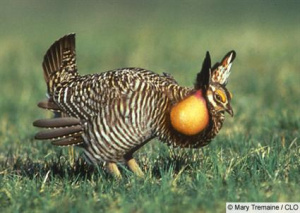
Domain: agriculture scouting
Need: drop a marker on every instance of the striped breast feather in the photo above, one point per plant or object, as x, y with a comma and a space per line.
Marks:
85, 96
122, 123
155, 78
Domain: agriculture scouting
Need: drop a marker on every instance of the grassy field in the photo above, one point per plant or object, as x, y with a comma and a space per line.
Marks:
256, 156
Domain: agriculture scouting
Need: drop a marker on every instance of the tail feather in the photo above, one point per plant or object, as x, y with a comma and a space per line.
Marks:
68, 141
60, 62
50, 105
56, 122
63, 131
54, 134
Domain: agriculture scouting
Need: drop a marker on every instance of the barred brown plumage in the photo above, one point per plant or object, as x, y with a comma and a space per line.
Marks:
112, 114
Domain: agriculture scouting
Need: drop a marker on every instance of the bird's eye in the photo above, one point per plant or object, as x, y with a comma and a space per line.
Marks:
218, 97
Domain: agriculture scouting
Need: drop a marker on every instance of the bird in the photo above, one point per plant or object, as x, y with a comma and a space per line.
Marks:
112, 114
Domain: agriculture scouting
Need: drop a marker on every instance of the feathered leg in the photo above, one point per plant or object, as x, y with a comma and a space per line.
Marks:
134, 167
114, 170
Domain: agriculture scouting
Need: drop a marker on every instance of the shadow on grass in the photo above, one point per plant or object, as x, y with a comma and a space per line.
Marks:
59, 168
62, 168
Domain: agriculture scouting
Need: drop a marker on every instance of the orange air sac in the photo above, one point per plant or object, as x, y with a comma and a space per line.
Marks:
190, 116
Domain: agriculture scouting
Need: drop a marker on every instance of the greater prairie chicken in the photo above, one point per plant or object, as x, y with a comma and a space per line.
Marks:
114, 113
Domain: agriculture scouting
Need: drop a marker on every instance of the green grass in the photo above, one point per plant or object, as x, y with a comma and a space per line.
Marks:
256, 156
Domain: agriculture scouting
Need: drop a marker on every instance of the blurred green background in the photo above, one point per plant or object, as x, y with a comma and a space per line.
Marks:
163, 36
170, 36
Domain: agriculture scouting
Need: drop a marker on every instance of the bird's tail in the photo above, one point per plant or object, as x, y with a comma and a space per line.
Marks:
59, 66
60, 62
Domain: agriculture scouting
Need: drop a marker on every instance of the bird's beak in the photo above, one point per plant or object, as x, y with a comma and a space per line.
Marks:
229, 110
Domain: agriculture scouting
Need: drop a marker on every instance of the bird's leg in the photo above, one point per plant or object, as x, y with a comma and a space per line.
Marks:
134, 167
132, 164
113, 169
71, 155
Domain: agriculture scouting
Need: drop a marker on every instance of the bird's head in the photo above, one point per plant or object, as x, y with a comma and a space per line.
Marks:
219, 98
213, 81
